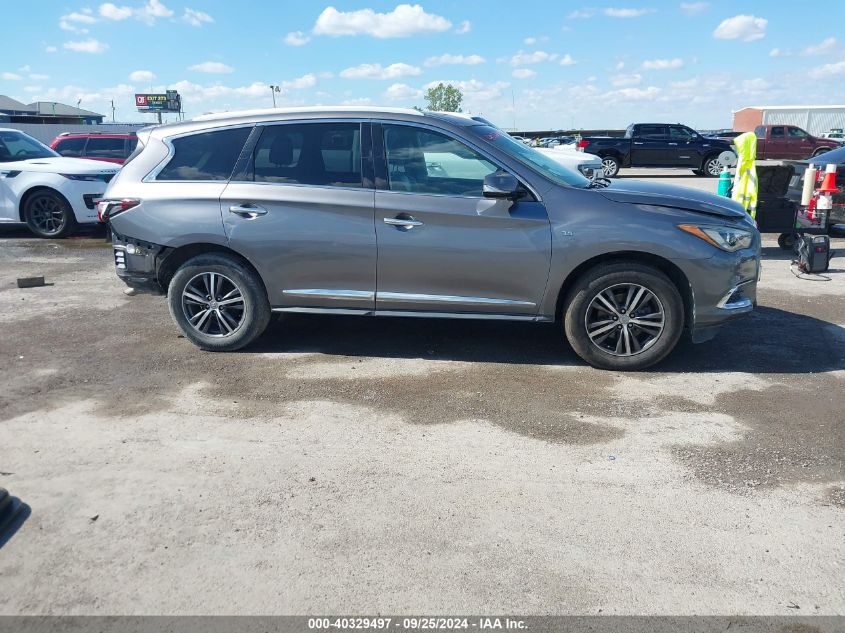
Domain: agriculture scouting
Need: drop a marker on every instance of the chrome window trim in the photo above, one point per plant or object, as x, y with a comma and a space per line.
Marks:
460, 139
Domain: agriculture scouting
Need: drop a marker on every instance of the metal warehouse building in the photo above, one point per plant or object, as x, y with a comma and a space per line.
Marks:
815, 119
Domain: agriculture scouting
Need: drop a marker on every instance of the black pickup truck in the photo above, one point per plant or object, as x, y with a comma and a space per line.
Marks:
658, 145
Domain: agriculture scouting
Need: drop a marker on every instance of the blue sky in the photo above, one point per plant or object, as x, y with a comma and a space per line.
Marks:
561, 64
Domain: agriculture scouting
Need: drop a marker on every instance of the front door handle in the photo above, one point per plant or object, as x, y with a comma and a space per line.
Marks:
673, 144
248, 210
407, 222
638, 142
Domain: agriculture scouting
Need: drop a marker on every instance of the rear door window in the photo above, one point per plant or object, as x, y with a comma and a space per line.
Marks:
71, 147
205, 155
322, 154
105, 148
652, 131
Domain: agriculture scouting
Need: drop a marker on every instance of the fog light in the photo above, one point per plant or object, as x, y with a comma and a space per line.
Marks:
132, 249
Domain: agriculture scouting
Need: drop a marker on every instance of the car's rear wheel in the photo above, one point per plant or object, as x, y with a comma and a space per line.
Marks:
787, 241
218, 303
48, 214
624, 316
820, 151
712, 167
610, 166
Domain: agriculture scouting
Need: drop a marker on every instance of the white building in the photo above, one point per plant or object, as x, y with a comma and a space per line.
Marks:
815, 119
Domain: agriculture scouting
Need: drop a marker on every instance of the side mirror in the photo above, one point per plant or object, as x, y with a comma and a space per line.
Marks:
501, 185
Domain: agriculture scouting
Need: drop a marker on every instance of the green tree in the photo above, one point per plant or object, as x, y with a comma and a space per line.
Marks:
443, 98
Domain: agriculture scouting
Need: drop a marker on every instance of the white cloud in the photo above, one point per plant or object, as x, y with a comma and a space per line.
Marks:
376, 71
694, 8
522, 58
402, 92
196, 18
33, 88
524, 73
748, 28
51, 49
10, 76
626, 80
211, 67
633, 94
39, 77
567, 60
442, 60
403, 21
296, 38
142, 76
756, 85
613, 12
86, 46
777, 52
306, 81
828, 70
148, 12
464, 28
663, 64
823, 47
71, 22
113, 12
530, 41
358, 101
475, 91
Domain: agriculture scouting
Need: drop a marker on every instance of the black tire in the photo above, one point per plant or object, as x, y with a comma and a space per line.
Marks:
614, 278
229, 326
47, 214
610, 165
787, 241
710, 165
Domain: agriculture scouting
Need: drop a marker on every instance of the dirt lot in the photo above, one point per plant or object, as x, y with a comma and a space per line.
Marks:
412, 466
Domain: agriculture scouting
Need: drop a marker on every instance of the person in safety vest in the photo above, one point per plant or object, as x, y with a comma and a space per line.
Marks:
745, 185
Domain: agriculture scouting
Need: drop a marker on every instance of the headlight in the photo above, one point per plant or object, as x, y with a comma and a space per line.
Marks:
727, 238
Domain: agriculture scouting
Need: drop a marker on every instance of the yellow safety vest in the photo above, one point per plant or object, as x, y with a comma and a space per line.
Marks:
745, 185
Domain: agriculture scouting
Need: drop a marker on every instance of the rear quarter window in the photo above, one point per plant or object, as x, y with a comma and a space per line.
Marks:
205, 155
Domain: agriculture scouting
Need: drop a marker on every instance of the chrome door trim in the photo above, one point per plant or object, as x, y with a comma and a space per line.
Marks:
484, 316
424, 298
325, 293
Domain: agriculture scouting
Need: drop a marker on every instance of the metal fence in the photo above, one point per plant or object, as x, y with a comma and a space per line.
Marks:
46, 132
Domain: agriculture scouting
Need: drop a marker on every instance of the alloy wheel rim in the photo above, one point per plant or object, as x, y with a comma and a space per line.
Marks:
48, 215
609, 167
714, 167
213, 304
625, 319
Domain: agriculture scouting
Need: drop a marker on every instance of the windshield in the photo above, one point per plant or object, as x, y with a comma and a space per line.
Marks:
19, 146
531, 158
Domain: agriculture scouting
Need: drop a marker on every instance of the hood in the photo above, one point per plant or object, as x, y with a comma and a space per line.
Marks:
686, 198
62, 165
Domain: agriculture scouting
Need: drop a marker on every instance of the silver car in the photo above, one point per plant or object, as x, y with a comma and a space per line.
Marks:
393, 212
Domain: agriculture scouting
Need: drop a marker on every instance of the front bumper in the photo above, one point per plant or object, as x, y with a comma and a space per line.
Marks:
724, 287
136, 263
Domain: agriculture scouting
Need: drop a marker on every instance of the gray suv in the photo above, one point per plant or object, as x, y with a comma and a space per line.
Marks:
389, 212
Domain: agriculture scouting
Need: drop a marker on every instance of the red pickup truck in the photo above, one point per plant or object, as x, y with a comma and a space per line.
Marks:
787, 141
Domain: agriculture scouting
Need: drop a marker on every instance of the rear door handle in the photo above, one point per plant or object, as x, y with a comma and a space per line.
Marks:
672, 143
638, 143
248, 210
403, 223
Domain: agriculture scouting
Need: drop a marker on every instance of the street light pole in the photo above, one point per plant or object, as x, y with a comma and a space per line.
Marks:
273, 90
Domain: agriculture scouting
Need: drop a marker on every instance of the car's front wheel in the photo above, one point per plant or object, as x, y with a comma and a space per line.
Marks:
712, 167
623, 316
218, 303
48, 215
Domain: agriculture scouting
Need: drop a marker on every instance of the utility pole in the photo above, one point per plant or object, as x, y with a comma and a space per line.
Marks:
513, 106
112, 110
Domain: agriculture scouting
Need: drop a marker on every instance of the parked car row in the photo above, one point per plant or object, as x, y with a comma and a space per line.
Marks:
107, 147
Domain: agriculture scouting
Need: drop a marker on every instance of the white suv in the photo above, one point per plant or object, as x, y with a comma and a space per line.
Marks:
48, 192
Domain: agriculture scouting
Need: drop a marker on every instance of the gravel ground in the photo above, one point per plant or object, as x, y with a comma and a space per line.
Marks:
347, 464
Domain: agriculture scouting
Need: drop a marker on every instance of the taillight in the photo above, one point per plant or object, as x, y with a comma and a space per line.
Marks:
582, 144
107, 209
